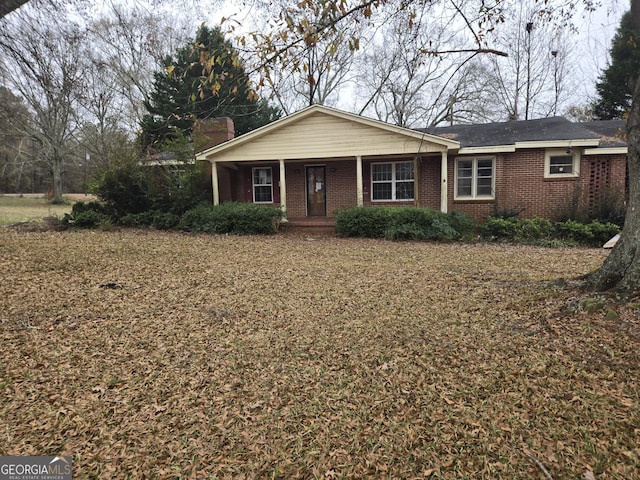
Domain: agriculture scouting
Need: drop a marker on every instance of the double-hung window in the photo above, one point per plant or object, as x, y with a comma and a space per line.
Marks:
475, 178
561, 163
262, 185
392, 181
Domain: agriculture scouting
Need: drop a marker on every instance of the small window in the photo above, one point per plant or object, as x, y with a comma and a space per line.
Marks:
561, 163
475, 178
392, 181
262, 185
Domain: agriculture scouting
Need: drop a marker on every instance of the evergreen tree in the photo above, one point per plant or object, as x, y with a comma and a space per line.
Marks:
616, 83
205, 79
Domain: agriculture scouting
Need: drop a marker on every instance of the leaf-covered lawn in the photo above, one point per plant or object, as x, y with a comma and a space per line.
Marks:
151, 355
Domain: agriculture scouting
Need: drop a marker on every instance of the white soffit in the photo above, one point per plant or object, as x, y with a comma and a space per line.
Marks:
487, 149
589, 142
606, 151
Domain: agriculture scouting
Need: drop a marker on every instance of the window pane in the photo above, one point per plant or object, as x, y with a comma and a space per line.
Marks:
404, 171
486, 163
464, 187
404, 190
561, 164
382, 191
465, 169
484, 187
263, 194
484, 172
262, 176
381, 172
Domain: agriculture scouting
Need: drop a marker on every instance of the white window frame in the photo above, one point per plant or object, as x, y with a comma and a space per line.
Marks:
394, 182
562, 152
474, 179
254, 184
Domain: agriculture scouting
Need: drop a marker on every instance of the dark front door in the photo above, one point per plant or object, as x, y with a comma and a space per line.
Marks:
316, 192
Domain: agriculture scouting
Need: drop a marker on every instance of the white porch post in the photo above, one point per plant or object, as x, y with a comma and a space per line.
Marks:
283, 190
359, 186
214, 183
444, 201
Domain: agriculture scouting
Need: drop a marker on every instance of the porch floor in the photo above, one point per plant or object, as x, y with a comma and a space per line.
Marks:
325, 225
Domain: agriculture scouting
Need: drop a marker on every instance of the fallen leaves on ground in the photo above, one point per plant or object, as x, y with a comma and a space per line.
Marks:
162, 355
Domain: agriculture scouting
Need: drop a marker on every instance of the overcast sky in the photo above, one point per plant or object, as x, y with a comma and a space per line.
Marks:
592, 40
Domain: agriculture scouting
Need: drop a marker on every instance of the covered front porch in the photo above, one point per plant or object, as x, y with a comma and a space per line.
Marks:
320, 160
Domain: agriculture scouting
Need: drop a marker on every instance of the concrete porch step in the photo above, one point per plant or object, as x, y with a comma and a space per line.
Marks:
326, 225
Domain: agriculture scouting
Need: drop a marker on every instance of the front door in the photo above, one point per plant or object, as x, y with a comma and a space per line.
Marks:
316, 192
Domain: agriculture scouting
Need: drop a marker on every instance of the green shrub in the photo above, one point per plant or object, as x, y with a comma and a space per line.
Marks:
251, 219
152, 218
87, 215
232, 217
576, 231
542, 232
602, 232
81, 207
123, 188
368, 222
500, 228
90, 219
534, 229
403, 223
405, 231
463, 224
441, 230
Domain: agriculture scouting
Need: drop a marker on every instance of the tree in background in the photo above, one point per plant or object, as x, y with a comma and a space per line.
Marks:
41, 62
401, 82
205, 79
323, 68
531, 81
18, 170
616, 83
129, 42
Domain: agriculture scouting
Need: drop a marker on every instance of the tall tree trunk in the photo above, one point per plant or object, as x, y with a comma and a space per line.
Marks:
57, 180
621, 269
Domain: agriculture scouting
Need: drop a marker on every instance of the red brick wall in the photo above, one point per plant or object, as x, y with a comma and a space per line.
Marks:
519, 185
429, 172
340, 185
296, 193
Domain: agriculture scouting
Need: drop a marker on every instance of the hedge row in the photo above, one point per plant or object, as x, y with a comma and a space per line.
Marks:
233, 218
404, 223
543, 232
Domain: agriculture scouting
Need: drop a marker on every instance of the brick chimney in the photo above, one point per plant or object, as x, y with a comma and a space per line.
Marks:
210, 132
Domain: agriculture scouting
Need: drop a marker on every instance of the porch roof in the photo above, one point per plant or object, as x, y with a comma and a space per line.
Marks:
320, 132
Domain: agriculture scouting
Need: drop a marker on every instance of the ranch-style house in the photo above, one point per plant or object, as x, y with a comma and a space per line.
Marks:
319, 160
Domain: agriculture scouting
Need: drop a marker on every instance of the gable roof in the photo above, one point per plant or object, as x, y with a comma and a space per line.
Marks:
322, 132
543, 132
